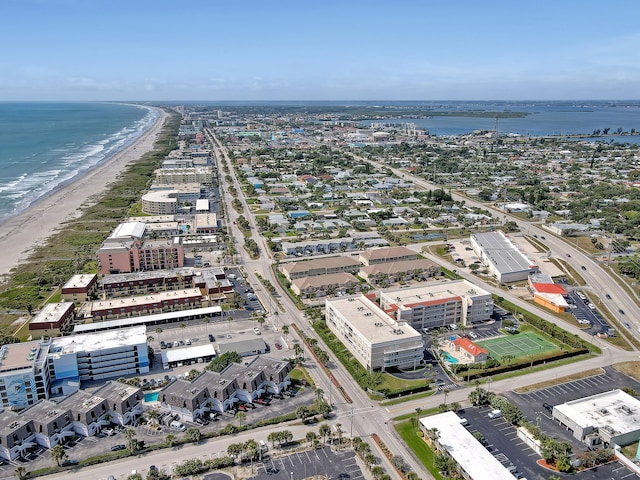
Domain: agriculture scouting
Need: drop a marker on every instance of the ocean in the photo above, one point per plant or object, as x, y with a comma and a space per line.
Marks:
45, 145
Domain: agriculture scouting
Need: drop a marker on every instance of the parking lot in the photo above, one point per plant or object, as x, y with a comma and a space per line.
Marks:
585, 315
322, 461
502, 441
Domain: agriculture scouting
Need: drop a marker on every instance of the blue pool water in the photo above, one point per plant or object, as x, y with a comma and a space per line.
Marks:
151, 397
446, 356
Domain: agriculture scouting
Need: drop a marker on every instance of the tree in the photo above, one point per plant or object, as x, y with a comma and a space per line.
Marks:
311, 437
377, 472
285, 332
132, 442
241, 417
298, 351
193, 434
170, 440
58, 454
182, 327
302, 412
319, 396
412, 476
370, 459
324, 432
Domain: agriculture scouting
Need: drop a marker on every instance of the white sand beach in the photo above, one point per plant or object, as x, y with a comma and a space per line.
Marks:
20, 234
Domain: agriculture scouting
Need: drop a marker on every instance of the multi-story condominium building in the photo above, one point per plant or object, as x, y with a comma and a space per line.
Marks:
171, 176
97, 356
324, 266
79, 288
374, 338
137, 283
124, 402
125, 251
169, 301
160, 202
24, 374
52, 319
504, 260
374, 256
438, 304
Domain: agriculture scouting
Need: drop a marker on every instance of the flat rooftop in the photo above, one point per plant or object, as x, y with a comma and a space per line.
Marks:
18, 356
79, 281
52, 312
147, 319
372, 323
613, 410
91, 342
435, 292
150, 275
116, 303
502, 253
188, 353
468, 452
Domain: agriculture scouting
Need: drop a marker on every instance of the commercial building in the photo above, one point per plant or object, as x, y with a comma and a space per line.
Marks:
324, 266
173, 176
246, 348
473, 460
502, 257
79, 288
206, 223
125, 251
547, 293
390, 254
612, 418
375, 339
24, 374
438, 304
96, 356
169, 301
53, 319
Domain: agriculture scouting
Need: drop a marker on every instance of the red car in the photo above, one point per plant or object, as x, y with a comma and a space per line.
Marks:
242, 408
278, 346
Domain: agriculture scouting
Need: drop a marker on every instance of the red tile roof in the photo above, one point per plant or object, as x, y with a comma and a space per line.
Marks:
549, 288
469, 346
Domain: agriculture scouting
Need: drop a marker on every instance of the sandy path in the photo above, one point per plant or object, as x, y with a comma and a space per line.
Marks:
19, 234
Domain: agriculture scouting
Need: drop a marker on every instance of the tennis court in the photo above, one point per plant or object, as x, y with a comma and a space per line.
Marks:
521, 345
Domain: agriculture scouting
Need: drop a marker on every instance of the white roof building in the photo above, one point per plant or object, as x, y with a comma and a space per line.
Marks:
475, 461
505, 261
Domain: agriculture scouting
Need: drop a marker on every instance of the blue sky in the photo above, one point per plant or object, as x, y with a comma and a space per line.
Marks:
319, 50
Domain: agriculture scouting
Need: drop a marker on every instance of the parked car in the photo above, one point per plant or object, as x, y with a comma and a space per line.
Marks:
256, 330
120, 446
201, 421
242, 408
278, 346
548, 407
108, 431
212, 338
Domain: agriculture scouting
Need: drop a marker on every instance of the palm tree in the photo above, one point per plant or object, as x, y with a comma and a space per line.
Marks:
319, 395
153, 416
132, 442
446, 394
170, 440
241, 417
285, 332
193, 434
58, 454
182, 327
298, 351
370, 459
324, 432
158, 331
310, 437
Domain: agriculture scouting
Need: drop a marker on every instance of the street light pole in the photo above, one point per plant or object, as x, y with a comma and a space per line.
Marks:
351, 432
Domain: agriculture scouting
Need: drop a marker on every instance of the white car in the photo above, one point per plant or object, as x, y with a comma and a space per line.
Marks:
256, 330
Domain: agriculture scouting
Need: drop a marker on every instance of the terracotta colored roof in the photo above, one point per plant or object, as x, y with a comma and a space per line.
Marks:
549, 288
469, 346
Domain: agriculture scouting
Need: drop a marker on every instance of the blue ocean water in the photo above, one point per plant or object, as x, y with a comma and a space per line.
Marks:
44, 145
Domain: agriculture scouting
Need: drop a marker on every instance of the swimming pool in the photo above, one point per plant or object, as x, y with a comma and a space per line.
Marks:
151, 397
449, 358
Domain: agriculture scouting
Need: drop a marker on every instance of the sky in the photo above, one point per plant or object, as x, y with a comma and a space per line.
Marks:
167, 50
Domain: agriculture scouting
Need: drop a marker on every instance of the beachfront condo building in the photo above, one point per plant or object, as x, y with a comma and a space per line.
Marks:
125, 251
24, 374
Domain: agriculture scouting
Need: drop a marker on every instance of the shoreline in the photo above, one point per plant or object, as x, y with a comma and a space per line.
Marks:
19, 234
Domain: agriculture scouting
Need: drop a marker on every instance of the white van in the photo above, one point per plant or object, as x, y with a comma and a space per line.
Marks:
179, 426
464, 422
263, 446
495, 414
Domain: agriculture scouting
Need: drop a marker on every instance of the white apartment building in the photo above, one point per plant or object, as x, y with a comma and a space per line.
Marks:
374, 338
438, 304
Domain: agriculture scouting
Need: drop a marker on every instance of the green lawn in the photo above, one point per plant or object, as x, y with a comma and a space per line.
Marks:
418, 446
